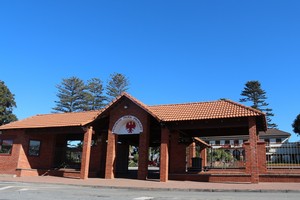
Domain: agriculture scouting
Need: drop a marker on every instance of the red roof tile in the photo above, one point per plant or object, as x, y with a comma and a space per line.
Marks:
54, 120
203, 110
167, 113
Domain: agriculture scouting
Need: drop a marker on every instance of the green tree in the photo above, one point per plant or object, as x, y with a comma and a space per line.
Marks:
254, 93
71, 94
94, 99
7, 103
296, 125
117, 84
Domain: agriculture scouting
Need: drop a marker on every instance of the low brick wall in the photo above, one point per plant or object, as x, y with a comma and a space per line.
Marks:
68, 173
279, 178
211, 177
236, 177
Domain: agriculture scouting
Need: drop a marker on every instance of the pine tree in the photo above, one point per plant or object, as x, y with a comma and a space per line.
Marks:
296, 125
117, 84
94, 99
7, 103
253, 93
71, 93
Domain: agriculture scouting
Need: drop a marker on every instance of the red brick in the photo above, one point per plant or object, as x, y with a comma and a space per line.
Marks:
164, 155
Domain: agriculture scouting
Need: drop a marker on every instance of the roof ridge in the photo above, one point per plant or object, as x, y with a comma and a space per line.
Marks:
243, 106
133, 99
188, 103
142, 105
64, 113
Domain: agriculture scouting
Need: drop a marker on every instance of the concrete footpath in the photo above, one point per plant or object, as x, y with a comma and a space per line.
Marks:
156, 185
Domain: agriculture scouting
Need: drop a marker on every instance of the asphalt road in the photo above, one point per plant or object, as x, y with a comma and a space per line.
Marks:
30, 191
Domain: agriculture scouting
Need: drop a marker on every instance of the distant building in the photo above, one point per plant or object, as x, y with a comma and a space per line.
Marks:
278, 149
272, 137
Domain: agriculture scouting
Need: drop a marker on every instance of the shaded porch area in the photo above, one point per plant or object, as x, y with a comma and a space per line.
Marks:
193, 159
61, 152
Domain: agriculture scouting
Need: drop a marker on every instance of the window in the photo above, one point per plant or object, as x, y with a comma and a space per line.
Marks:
6, 146
34, 147
267, 141
227, 142
236, 143
217, 142
278, 140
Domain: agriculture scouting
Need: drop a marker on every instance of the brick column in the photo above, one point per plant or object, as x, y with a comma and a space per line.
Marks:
86, 153
110, 155
144, 152
22, 147
262, 161
253, 157
203, 154
164, 155
191, 153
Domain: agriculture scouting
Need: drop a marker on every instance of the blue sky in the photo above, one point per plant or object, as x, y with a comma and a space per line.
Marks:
171, 51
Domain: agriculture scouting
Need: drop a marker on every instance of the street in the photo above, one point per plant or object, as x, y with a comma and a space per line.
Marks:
33, 191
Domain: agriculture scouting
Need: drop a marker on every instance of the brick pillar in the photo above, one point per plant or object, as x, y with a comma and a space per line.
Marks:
262, 161
110, 155
22, 148
177, 155
86, 153
144, 152
203, 154
191, 153
253, 157
164, 155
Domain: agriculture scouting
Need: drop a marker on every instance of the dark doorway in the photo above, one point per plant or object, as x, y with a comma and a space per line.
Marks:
127, 156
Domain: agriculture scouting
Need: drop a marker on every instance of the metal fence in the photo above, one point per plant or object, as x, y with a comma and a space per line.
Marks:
226, 157
286, 155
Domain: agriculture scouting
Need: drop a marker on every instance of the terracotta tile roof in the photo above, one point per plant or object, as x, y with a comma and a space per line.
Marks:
54, 120
203, 110
167, 113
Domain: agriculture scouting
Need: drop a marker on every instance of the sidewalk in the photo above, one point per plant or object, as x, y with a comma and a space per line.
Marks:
156, 185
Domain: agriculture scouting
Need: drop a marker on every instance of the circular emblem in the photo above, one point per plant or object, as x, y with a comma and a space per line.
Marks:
127, 124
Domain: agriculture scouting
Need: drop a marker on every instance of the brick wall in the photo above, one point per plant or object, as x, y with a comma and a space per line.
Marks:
8, 163
19, 158
45, 159
177, 154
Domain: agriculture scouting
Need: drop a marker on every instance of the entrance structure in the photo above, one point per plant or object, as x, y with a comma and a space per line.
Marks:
37, 142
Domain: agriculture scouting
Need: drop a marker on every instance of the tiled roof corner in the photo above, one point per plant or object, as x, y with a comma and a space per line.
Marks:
54, 120
243, 106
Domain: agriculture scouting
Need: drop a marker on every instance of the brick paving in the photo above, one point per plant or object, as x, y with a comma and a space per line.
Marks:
156, 185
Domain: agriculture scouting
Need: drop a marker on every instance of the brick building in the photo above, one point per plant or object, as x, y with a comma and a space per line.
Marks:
37, 145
